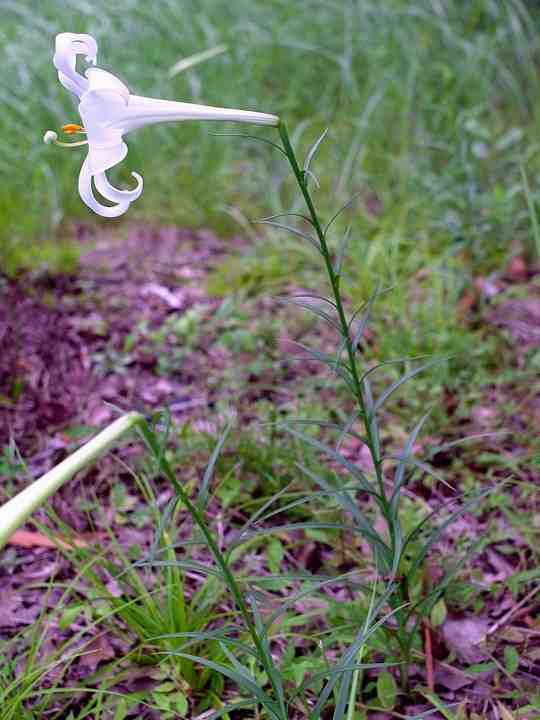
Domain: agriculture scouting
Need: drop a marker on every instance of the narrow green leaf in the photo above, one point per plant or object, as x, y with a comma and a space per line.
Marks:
326, 424
187, 63
428, 470
439, 707
203, 492
350, 655
304, 500
309, 174
256, 516
262, 140
436, 534
342, 249
274, 674
240, 669
287, 214
348, 505
361, 328
340, 368
184, 565
340, 211
461, 441
316, 311
196, 637
68, 616
372, 420
313, 150
394, 386
399, 475
336, 456
395, 361
311, 590
121, 709
247, 682
164, 520
346, 430
293, 230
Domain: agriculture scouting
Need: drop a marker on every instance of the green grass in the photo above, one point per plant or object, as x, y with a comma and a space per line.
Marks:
432, 109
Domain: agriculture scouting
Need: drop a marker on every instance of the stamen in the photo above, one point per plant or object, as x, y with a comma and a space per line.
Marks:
51, 137
72, 128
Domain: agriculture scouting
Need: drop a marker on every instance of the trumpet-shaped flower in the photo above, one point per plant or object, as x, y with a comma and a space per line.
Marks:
108, 111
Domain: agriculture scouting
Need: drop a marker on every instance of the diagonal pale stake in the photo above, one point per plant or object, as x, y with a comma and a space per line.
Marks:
17, 510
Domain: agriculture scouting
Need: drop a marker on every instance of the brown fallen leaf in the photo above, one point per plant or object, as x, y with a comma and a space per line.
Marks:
464, 637
29, 538
450, 678
14, 613
98, 650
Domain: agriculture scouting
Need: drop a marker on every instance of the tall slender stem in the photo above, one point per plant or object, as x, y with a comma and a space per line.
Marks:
301, 179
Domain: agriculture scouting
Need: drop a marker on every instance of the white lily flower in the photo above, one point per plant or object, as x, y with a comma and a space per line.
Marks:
108, 111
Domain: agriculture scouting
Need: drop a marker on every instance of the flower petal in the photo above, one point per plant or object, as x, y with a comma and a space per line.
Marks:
98, 110
87, 195
104, 157
68, 46
142, 111
113, 194
99, 79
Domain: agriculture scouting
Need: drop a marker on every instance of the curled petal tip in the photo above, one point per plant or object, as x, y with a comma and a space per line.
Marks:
67, 47
77, 44
122, 199
115, 195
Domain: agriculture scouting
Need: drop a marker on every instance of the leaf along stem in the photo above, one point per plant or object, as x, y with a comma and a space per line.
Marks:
344, 325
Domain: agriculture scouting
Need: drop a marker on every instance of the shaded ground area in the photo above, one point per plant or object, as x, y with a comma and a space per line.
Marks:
65, 338
45, 373
135, 328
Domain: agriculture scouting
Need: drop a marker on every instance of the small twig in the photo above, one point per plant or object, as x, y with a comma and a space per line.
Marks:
505, 618
428, 651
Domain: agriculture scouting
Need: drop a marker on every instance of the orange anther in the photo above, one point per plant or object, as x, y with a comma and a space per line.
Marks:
72, 128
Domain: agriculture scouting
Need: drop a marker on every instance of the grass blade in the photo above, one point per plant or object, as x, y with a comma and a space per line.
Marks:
203, 492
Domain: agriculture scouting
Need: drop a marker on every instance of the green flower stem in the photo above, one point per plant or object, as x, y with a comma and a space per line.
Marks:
301, 179
228, 575
17, 510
